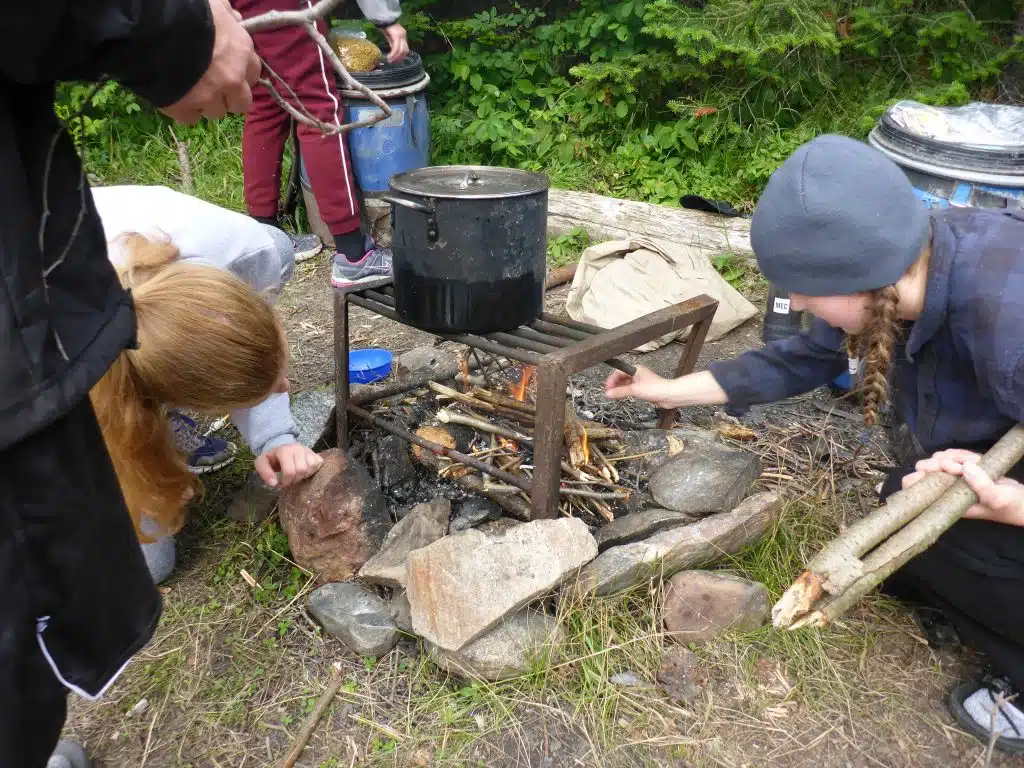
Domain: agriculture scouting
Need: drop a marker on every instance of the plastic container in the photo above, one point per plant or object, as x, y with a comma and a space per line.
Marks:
971, 156
366, 366
399, 143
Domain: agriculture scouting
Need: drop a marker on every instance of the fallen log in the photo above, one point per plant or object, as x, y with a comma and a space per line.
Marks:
608, 218
560, 276
839, 571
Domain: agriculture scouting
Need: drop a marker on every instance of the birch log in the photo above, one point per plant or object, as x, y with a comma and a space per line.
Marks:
608, 218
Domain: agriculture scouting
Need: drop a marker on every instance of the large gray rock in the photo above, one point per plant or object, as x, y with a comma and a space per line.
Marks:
474, 511
336, 520
361, 620
424, 525
498, 528
704, 479
691, 546
437, 362
463, 585
638, 526
699, 606
311, 409
254, 502
506, 651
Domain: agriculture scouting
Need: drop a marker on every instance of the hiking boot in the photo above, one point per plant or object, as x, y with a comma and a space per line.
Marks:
69, 754
203, 454
306, 246
375, 264
981, 707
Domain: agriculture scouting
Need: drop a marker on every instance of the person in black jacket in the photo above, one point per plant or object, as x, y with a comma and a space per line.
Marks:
77, 600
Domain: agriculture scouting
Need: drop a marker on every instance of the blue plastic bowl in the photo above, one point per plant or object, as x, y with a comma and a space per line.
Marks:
365, 366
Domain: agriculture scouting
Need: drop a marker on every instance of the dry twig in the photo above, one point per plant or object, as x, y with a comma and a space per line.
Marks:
302, 738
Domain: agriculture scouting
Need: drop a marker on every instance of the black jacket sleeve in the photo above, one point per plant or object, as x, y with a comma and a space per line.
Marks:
157, 48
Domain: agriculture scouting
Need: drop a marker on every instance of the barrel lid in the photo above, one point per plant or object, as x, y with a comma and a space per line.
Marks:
469, 182
386, 76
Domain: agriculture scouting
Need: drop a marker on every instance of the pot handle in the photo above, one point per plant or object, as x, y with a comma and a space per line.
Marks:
422, 208
408, 204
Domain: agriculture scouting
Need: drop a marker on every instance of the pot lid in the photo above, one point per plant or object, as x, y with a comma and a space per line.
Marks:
469, 182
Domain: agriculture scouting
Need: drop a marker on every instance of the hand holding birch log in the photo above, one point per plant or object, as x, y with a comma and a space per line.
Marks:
868, 552
1001, 501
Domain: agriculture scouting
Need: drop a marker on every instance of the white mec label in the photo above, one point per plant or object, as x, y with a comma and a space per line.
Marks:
781, 306
853, 365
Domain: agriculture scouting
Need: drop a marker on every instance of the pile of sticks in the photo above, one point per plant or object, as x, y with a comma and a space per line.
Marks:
872, 549
503, 428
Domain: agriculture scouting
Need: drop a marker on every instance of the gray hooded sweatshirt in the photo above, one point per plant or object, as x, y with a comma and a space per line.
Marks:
204, 233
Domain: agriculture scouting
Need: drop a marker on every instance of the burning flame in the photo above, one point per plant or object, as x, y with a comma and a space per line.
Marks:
518, 391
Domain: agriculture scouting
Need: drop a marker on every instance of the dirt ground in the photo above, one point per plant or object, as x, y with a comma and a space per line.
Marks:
237, 663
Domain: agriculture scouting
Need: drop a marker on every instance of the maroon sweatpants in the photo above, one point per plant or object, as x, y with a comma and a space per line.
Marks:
293, 55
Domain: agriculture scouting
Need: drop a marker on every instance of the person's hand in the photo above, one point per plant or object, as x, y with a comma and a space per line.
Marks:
294, 462
645, 384
398, 42
1001, 501
234, 69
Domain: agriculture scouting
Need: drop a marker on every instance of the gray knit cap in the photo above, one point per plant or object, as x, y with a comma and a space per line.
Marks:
838, 217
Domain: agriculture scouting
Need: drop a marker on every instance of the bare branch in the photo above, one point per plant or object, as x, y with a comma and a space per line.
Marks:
303, 116
184, 163
275, 19
350, 82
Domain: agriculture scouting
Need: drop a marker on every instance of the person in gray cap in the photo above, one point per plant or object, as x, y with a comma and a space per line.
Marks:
931, 302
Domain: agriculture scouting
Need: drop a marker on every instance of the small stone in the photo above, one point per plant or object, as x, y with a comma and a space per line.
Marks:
699, 606
696, 545
473, 512
437, 362
394, 463
139, 709
361, 620
311, 410
505, 651
626, 680
254, 502
424, 525
336, 520
705, 479
461, 586
499, 527
681, 675
401, 613
637, 526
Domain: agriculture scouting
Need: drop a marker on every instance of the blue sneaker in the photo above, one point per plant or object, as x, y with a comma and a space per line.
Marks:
203, 454
375, 264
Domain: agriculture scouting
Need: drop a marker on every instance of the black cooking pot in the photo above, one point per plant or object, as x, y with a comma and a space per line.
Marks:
470, 247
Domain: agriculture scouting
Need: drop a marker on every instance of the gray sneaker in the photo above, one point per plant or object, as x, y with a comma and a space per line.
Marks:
306, 246
373, 266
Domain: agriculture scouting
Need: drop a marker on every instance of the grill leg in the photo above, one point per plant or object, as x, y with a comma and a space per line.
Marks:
687, 361
552, 382
341, 368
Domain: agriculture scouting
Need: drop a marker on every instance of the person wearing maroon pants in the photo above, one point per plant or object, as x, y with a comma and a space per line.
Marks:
293, 55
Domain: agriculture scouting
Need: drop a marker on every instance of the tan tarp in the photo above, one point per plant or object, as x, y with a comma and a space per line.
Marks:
621, 280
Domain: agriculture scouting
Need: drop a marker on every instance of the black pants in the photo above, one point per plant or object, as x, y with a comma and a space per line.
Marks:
974, 574
68, 552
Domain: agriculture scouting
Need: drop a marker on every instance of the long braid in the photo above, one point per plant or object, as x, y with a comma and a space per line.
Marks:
877, 344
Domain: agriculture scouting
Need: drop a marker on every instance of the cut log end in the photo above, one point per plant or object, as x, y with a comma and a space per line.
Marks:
797, 600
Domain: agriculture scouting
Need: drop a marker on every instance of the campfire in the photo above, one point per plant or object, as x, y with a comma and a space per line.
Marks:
486, 427
516, 437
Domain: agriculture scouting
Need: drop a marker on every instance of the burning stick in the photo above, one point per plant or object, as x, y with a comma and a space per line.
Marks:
519, 392
575, 437
608, 470
451, 417
910, 522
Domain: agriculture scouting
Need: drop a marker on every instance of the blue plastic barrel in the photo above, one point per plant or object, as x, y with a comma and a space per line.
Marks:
398, 144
